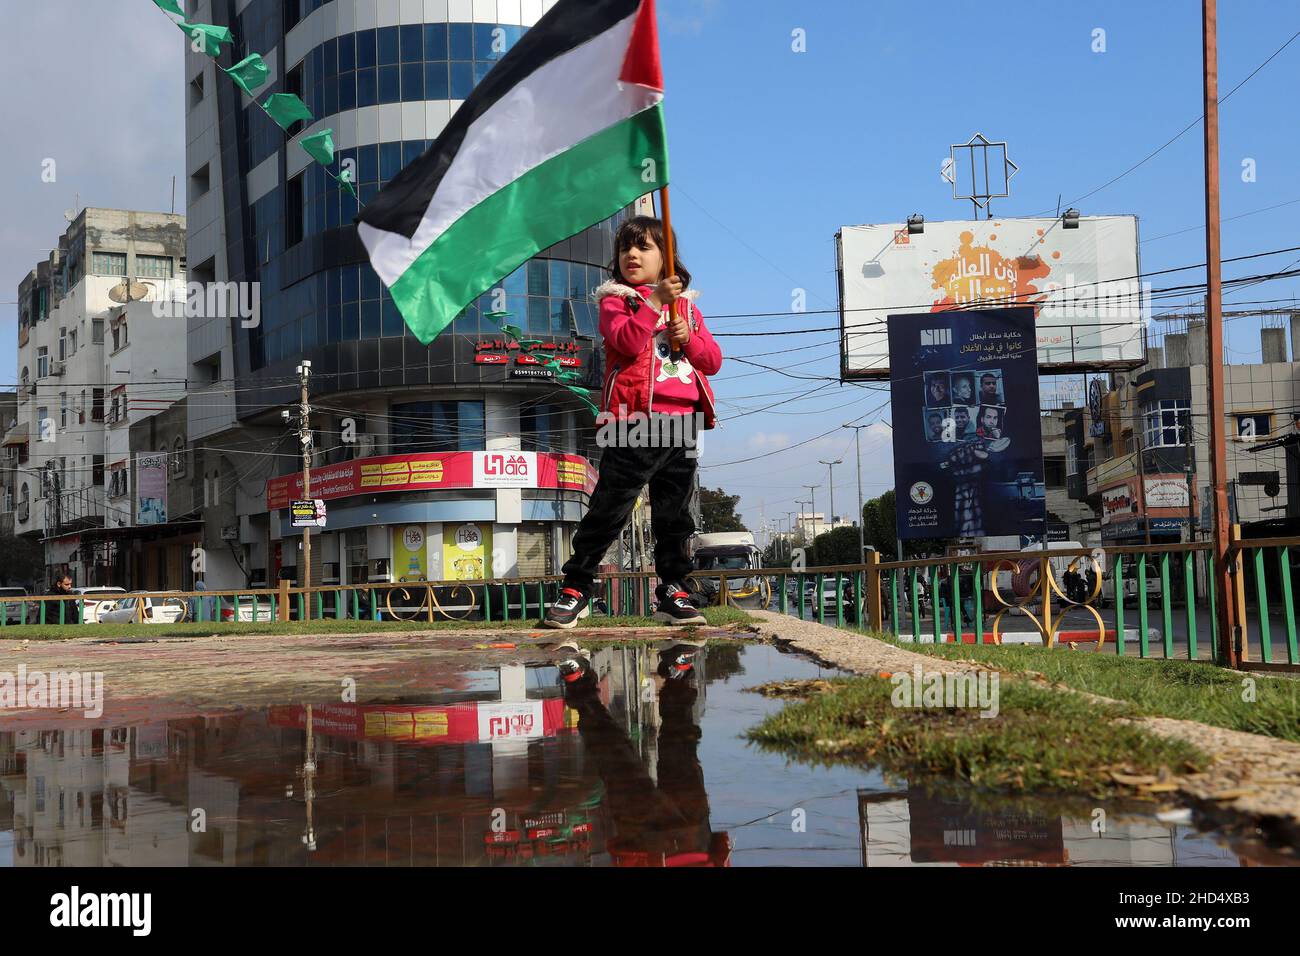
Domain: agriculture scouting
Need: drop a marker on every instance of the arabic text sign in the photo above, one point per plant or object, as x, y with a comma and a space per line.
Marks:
1082, 282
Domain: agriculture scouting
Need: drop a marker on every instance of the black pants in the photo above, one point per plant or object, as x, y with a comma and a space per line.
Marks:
623, 473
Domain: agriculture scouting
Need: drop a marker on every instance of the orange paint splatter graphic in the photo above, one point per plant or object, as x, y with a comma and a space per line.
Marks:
982, 274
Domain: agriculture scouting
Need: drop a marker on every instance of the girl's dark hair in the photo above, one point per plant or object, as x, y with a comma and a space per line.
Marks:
635, 231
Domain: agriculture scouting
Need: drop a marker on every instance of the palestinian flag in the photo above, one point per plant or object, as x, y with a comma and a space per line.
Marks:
563, 132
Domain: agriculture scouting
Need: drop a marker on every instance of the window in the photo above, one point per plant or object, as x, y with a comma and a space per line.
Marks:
63, 409
117, 480
97, 405
42, 361
293, 85
109, 263
63, 343
355, 547
1071, 459
200, 183
196, 90
1250, 427
178, 458
119, 335
542, 428
534, 551
98, 471
42, 416
27, 375
1054, 471
153, 267
72, 342
294, 211
437, 426
81, 409
1166, 423
97, 331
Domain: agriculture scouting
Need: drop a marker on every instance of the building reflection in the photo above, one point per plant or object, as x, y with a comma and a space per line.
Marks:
497, 770
915, 828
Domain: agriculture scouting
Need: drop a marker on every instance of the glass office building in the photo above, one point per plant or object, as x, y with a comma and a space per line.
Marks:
385, 76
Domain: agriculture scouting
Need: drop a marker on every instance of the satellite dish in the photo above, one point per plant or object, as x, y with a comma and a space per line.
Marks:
125, 291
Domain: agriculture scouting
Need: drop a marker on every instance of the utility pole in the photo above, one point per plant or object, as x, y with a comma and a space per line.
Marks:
812, 503
789, 541
304, 436
1226, 612
831, 465
861, 522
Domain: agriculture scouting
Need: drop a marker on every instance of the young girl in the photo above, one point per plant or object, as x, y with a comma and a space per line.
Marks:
657, 354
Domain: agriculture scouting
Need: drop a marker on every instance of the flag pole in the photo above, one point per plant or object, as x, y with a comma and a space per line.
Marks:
670, 252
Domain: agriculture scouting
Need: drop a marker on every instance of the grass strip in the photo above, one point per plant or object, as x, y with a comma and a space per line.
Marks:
1041, 740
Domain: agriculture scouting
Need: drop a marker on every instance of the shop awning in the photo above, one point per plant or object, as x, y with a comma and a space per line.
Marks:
16, 435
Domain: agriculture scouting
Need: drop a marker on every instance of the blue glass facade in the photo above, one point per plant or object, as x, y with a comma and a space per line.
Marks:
320, 298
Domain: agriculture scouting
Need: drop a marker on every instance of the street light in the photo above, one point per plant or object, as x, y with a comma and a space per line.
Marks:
812, 492
862, 531
831, 465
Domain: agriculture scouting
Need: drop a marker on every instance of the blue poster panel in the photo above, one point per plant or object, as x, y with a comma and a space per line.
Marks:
968, 450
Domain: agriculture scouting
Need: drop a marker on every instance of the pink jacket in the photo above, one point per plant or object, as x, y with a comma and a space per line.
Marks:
627, 324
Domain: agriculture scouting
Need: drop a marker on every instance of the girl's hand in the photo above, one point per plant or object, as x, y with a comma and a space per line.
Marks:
679, 331
666, 292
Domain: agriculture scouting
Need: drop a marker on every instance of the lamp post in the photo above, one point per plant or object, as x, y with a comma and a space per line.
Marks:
812, 504
831, 465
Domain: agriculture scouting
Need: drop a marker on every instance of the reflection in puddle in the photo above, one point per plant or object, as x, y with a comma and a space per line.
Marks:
629, 766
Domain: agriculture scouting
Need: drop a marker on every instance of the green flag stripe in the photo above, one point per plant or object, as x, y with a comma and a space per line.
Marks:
554, 200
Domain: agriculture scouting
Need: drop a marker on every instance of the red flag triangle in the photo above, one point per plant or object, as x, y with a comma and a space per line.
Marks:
641, 66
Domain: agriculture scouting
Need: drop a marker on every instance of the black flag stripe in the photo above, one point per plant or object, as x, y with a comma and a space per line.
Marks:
400, 205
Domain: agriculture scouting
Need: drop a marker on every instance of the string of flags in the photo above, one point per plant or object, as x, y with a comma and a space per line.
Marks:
250, 74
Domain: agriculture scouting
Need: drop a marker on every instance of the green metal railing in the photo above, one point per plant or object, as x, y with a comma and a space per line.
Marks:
1152, 602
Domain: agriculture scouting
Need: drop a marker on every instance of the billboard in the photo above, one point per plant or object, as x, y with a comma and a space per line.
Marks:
968, 452
1082, 283
151, 489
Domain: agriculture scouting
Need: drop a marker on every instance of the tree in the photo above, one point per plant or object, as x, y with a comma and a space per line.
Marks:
22, 562
838, 546
718, 511
881, 531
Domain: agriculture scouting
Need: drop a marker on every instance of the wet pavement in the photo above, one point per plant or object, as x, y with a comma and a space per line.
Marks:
641, 761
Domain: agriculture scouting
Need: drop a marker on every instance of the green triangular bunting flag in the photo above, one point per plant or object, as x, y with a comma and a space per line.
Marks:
171, 7
206, 38
320, 146
249, 73
286, 109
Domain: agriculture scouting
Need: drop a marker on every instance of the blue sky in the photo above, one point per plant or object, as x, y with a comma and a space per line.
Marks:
772, 151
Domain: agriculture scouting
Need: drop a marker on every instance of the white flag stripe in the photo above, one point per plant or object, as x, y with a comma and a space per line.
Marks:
559, 105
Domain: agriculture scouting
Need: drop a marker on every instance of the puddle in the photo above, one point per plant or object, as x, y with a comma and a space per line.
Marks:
499, 769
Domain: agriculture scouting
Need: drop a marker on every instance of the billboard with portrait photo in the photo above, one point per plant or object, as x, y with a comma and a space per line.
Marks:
983, 475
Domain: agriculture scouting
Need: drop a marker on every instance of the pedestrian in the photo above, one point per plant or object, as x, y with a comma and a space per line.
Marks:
62, 589
658, 353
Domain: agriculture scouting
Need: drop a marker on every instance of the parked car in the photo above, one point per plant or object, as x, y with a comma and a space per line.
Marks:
13, 609
145, 608
94, 599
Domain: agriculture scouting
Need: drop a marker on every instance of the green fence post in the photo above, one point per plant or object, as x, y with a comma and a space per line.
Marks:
1284, 558
817, 597
1214, 620
934, 600
1118, 581
302, 606
785, 597
1261, 592
978, 584
1143, 648
893, 601
274, 608
237, 608
1166, 605
1189, 596
839, 601
956, 603
916, 608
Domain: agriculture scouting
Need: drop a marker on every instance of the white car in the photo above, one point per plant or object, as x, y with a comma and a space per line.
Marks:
95, 599
145, 608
